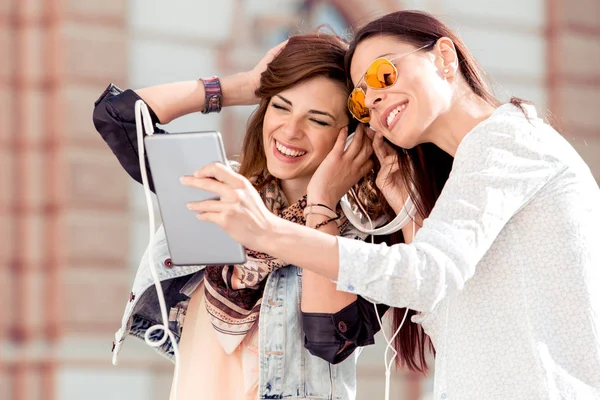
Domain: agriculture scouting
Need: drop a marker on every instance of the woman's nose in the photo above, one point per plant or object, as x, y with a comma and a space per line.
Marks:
373, 98
292, 128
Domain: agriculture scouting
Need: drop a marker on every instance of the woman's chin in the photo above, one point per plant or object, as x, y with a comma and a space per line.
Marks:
402, 142
286, 174
282, 172
405, 138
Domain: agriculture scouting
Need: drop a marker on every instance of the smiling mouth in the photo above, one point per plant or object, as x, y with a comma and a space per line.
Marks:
394, 113
288, 152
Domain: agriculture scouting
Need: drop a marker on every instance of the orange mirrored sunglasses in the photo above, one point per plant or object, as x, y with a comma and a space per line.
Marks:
381, 74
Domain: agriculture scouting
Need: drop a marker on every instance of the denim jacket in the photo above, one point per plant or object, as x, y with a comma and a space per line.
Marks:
301, 355
287, 369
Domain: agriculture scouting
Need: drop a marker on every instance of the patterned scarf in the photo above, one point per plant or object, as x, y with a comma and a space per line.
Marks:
234, 292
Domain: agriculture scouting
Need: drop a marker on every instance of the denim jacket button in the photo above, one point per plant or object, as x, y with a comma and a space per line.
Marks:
342, 326
168, 263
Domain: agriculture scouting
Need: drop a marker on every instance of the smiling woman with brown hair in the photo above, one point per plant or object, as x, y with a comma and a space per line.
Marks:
245, 334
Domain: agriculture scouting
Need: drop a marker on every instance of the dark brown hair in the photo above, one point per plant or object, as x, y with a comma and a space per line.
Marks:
304, 57
424, 168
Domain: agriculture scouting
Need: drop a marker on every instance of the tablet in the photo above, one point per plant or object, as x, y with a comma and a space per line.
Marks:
190, 241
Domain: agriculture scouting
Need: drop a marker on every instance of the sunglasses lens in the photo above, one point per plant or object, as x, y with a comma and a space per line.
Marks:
356, 105
381, 74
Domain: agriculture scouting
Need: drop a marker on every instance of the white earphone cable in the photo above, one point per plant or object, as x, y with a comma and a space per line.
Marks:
389, 342
142, 117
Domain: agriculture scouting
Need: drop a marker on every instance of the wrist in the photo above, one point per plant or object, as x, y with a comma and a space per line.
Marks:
238, 90
323, 200
396, 201
272, 235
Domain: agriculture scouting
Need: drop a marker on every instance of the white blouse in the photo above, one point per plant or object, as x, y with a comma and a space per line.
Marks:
506, 270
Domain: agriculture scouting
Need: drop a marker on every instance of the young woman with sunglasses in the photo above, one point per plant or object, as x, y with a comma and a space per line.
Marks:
505, 269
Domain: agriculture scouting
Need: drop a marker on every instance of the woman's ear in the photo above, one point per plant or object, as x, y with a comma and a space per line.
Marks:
446, 58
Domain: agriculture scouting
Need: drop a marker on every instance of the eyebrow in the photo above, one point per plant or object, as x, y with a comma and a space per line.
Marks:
385, 55
310, 111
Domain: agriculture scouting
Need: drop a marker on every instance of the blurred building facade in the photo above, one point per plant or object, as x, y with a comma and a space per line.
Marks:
73, 226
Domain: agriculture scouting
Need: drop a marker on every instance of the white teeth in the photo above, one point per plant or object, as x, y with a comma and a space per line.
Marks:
288, 152
395, 112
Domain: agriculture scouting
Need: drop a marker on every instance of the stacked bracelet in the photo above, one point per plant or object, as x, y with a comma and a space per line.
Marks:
322, 209
212, 94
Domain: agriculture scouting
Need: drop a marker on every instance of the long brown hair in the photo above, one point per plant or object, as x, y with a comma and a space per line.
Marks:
424, 168
304, 57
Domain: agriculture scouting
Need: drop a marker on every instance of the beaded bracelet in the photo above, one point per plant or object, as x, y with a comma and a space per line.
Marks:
320, 224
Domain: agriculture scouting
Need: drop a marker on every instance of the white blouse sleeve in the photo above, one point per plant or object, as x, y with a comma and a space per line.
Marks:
499, 167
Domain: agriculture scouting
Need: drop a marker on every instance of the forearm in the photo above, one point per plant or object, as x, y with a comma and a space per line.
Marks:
313, 250
307, 248
173, 100
319, 294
